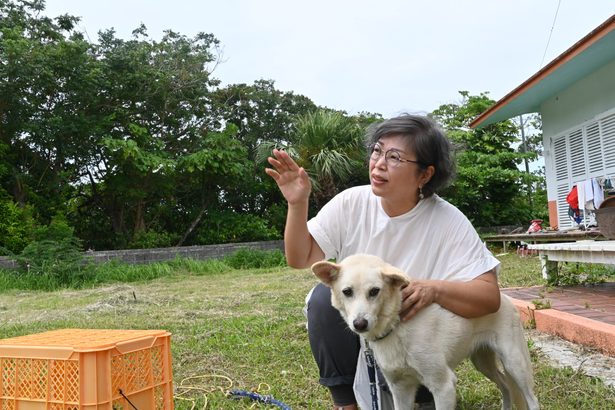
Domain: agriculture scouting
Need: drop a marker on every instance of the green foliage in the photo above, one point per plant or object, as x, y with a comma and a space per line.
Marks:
117, 272
66, 269
329, 146
542, 304
229, 227
490, 189
199, 267
137, 144
54, 256
255, 259
152, 239
45, 105
260, 112
16, 226
129, 137
572, 274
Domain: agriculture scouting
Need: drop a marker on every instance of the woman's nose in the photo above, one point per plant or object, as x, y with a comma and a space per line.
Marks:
381, 161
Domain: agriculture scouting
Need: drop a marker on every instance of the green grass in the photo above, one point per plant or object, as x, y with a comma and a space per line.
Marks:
90, 275
516, 271
244, 329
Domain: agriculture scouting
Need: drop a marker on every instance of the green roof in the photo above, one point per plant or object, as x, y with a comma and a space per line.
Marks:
585, 57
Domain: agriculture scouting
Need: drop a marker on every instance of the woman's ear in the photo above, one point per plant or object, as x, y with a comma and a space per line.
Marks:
428, 173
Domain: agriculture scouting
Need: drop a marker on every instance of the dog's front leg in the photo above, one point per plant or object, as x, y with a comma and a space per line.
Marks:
443, 388
404, 394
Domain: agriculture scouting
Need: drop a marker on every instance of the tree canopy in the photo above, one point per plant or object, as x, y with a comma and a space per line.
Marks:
489, 186
134, 142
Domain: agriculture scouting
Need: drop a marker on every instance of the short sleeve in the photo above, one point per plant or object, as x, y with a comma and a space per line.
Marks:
469, 257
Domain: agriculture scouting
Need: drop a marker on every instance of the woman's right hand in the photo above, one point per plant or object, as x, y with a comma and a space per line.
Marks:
292, 180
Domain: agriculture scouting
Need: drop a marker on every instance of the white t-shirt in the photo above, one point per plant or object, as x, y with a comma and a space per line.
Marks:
434, 240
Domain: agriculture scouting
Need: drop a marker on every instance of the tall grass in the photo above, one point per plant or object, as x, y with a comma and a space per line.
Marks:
89, 275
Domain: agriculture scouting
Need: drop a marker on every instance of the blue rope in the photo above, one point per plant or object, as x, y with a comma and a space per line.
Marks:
258, 397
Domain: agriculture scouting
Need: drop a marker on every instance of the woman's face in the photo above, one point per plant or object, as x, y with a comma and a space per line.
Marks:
397, 183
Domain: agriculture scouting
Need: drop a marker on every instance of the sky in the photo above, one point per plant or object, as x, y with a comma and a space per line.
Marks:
384, 56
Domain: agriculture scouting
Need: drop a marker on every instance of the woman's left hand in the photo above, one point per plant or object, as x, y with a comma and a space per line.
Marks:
417, 295
474, 298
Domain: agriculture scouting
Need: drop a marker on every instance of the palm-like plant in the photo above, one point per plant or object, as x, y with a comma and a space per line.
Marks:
328, 145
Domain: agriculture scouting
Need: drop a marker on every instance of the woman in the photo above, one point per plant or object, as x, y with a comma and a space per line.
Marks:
399, 218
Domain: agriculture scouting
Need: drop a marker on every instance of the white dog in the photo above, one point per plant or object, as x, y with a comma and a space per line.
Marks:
426, 349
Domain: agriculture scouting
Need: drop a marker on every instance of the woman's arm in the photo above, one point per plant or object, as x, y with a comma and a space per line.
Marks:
300, 248
471, 299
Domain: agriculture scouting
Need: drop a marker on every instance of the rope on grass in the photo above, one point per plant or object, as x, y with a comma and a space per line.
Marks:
266, 399
184, 388
188, 385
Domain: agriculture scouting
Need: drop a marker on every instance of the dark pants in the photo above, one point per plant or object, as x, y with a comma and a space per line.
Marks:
336, 348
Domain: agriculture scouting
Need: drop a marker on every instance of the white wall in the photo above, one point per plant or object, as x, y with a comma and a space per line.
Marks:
570, 110
579, 103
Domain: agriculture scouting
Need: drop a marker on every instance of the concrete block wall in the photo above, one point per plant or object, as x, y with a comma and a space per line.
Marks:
141, 256
7, 263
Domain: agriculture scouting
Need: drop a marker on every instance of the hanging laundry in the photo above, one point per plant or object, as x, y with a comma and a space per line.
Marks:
589, 206
598, 193
573, 205
581, 195
588, 189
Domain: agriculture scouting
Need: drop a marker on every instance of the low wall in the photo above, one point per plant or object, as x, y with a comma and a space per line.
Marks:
141, 256
7, 263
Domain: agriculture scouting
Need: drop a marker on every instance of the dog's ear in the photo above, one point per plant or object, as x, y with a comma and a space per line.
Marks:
395, 277
326, 271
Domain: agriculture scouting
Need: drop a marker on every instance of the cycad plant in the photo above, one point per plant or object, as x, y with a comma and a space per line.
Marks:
328, 145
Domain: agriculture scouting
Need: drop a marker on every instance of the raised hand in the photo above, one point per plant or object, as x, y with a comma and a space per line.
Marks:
292, 179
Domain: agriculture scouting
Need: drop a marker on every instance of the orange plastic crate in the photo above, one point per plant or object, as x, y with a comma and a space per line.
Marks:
82, 369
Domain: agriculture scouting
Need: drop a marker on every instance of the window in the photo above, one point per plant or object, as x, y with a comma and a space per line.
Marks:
580, 154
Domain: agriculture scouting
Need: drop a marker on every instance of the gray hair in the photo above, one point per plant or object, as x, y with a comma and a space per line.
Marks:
426, 139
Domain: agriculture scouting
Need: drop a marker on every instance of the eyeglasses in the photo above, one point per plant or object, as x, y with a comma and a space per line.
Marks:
392, 156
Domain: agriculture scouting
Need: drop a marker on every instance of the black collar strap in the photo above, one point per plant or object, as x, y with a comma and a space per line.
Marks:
377, 339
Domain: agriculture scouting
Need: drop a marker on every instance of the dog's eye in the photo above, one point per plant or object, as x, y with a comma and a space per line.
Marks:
347, 292
373, 292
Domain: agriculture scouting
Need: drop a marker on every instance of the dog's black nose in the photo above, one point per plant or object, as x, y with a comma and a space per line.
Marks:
360, 325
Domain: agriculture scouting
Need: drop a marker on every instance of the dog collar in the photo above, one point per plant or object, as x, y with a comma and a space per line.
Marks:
379, 338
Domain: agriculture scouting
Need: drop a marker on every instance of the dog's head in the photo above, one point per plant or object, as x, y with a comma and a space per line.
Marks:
365, 290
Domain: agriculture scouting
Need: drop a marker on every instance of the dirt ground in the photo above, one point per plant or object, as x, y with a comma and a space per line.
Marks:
562, 353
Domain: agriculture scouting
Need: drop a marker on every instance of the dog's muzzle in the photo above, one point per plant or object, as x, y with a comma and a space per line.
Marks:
360, 325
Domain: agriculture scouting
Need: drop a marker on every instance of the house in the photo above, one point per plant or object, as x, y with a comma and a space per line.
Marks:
575, 95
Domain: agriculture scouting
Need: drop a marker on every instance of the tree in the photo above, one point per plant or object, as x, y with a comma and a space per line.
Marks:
45, 79
489, 184
111, 134
220, 164
260, 112
155, 97
531, 144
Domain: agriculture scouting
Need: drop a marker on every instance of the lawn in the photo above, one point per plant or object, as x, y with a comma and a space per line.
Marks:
244, 329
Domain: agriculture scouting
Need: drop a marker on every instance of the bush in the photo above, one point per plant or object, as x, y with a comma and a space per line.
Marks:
572, 274
230, 227
254, 259
16, 226
55, 256
152, 239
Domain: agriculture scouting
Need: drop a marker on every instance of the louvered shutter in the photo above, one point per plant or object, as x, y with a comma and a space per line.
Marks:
583, 153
